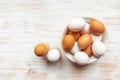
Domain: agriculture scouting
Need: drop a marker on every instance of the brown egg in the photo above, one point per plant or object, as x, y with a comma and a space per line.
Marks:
88, 50
76, 35
68, 42
41, 49
97, 27
84, 41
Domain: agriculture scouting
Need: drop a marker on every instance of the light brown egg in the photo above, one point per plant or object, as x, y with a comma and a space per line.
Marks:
88, 50
97, 27
68, 42
76, 35
84, 41
41, 49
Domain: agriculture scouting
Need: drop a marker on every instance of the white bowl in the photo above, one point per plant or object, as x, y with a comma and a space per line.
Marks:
92, 58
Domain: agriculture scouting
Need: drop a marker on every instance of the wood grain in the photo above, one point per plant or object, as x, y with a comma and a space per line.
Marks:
25, 23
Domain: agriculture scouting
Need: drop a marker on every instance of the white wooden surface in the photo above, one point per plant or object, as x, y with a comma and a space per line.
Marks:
25, 23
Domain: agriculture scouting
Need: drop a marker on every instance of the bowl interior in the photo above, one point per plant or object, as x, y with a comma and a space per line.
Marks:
92, 58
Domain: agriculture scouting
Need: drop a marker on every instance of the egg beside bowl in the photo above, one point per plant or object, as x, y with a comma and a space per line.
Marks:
43, 50
84, 28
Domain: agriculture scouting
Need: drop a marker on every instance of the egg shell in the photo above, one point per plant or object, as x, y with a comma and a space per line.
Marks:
76, 24
68, 42
76, 35
84, 41
41, 49
53, 55
96, 37
81, 58
97, 27
75, 48
86, 29
98, 48
88, 50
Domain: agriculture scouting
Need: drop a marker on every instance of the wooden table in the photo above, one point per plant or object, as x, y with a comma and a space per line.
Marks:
25, 23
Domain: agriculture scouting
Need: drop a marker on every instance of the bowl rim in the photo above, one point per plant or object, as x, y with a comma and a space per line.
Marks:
93, 58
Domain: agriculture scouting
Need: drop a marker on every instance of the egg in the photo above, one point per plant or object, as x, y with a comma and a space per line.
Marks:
68, 42
75, 48
41, 49
98, 48
97, 27
76, 35
81, 58
77, 24
53, 55
86, 29
96, 37
88, 50
84, 41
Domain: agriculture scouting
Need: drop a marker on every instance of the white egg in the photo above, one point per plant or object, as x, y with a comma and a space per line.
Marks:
81, 58
98, 48
75, 48
96, 37
77, 24
86, 29
53, 55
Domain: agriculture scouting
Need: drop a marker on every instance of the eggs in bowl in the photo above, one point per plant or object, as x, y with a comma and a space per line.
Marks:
87, 37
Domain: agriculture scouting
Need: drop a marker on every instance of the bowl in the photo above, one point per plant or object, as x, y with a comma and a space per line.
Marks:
92, 59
